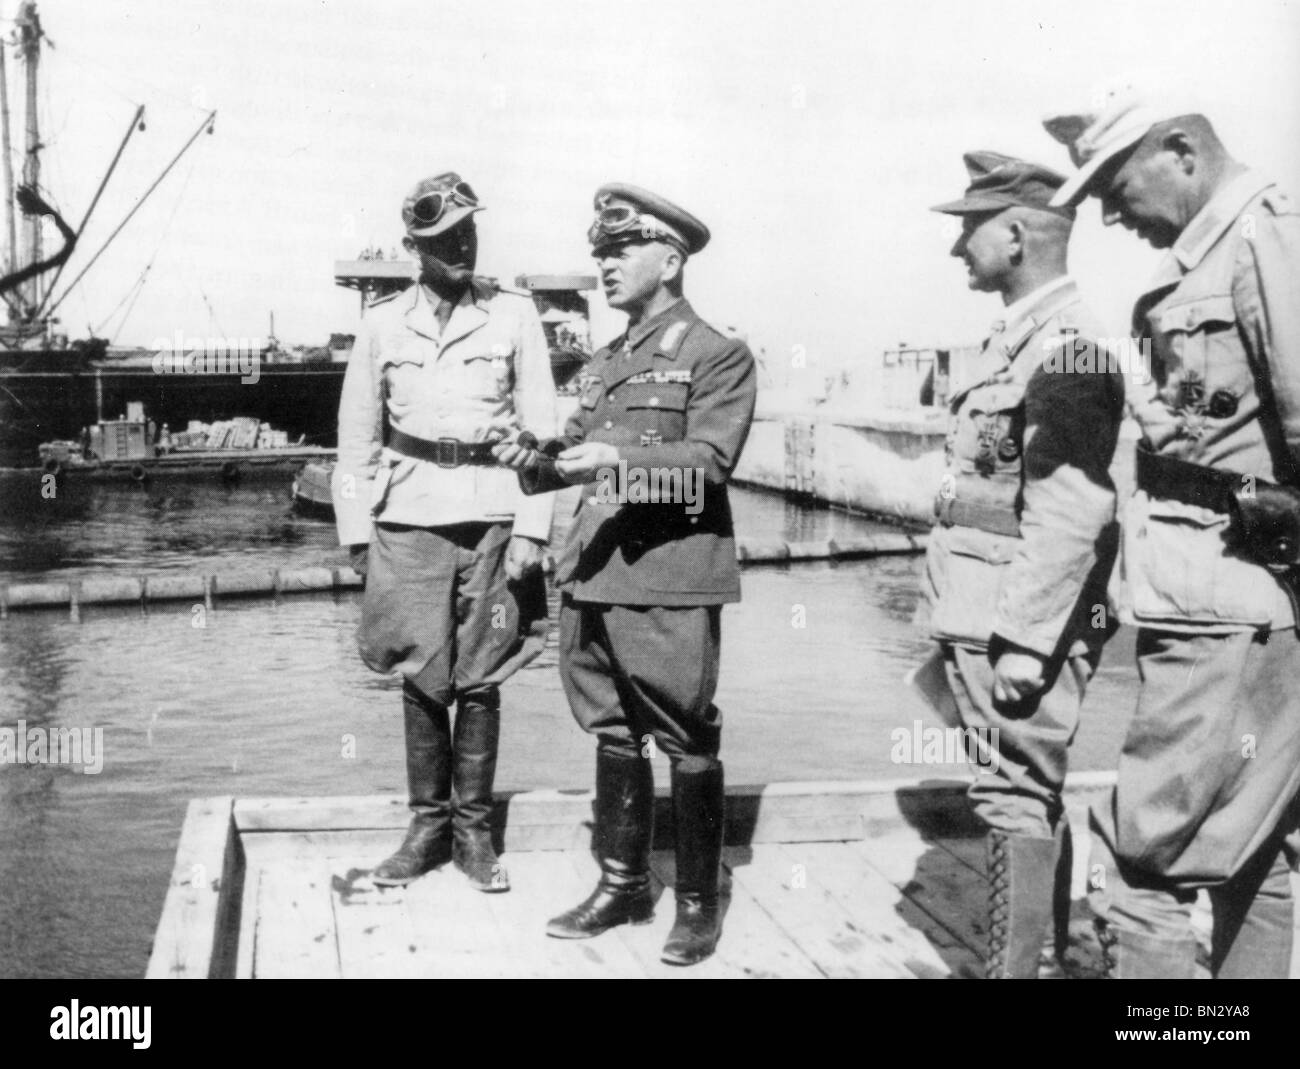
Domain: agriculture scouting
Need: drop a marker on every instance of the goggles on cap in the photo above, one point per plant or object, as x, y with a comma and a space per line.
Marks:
433, 206
621, 220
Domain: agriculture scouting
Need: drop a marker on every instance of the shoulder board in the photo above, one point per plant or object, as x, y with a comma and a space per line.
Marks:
1278, 202
388, 297
672, 335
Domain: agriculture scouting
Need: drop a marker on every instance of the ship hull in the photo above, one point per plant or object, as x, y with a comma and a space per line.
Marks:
53, 396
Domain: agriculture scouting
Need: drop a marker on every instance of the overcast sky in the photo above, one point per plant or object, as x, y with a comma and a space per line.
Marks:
811, 136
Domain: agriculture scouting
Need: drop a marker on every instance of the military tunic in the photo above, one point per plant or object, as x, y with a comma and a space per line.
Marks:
1025, 543
439, 535
1209, 775
644, 581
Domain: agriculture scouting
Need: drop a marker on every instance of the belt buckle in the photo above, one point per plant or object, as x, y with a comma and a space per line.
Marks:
448, 447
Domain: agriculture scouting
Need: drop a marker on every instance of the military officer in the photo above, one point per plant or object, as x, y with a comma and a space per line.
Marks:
451, 548
668, 403
1210, 769
1018, 563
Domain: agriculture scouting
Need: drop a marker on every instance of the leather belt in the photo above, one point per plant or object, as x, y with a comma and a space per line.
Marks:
953, 512
445, 452
1181, 480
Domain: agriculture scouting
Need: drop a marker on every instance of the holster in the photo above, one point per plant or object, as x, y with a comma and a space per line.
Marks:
1266, 525
1264, 517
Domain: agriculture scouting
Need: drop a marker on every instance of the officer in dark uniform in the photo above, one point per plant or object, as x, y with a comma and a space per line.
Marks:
1017, 564
668, 403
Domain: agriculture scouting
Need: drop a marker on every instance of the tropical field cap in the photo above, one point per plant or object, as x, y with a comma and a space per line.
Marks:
1118, 118
998, 182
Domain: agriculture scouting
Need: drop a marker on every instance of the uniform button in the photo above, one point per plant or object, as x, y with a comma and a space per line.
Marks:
654, 401
609, 424
695, 519
610, 398
592, 500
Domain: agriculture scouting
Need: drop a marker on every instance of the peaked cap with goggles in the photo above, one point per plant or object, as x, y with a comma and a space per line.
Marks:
627, 213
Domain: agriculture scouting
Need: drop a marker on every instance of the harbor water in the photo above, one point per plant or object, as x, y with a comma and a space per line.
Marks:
263, 697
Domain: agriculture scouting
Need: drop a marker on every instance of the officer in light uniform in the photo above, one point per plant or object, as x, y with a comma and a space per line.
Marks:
1210, 770
1018, 563
451, 549
644, 583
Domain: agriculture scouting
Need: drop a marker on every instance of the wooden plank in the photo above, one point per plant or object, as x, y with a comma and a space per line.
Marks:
892, 925
266, 846
936, 881
377, 937
777, 812
244, 956
545, 883
751, 943
455, 932
196, 933
803, 907
295, 931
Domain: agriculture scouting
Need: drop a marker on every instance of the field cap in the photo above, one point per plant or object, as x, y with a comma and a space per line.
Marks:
437, 204
1120, 116
655, 219
998, 182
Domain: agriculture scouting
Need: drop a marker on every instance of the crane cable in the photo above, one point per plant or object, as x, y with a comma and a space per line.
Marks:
206, 124
138, 286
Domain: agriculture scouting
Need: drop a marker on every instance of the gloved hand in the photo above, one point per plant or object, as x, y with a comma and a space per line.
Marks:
520, 454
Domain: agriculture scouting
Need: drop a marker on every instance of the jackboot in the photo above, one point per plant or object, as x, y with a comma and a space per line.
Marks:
698, 814
428, 776
1022, 894
1132, 955
474, 765
625, 800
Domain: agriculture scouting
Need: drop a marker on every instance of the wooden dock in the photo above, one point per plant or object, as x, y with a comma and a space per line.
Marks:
840, 880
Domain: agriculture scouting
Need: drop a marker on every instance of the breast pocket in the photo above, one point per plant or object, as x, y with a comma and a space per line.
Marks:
1201, 338
403, 367
489, 373
657, 411
990, 430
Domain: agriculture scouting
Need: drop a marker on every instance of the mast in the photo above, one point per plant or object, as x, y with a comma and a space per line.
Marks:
28, 26
11, 249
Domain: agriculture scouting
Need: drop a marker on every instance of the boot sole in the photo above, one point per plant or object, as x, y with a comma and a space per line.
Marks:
394, 881
667, 960
572, 933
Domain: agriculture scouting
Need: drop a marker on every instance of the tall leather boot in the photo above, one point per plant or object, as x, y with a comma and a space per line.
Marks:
428, 776
1022, 883
625, 799
1132, 955
698, 815
474, 765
